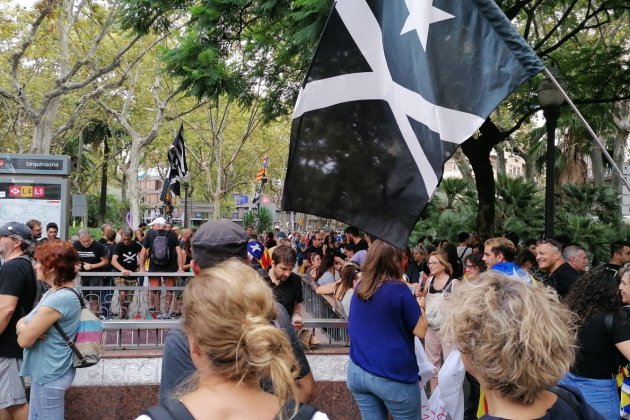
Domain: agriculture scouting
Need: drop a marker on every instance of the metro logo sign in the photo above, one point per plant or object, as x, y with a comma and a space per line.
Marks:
15, 191
27, 191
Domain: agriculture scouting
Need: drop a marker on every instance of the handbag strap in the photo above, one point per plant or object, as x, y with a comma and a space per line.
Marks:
68, 340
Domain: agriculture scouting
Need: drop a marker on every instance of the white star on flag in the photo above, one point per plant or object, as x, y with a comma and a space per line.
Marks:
421, 15
255, 247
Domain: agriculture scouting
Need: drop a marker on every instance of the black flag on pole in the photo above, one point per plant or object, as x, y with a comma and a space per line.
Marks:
394, 87
177, 164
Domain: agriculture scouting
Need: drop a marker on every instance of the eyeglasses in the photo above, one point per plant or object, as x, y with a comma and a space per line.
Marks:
470, 266
433, 262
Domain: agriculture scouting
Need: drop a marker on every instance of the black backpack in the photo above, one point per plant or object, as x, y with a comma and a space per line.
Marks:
160, 251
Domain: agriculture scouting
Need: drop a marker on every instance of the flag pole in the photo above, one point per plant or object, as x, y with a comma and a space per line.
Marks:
588, 128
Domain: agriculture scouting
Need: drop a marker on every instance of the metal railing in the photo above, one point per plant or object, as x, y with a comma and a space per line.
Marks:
325, 307
134, 319
132, 334
114, 297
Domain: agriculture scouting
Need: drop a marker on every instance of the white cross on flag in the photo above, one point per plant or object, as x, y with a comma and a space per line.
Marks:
394, 87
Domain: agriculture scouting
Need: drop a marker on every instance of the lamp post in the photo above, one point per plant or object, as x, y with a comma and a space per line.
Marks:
550, 98
186, 181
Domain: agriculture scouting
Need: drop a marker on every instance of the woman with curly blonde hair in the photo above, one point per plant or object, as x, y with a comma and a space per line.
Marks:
228, 313
518, 342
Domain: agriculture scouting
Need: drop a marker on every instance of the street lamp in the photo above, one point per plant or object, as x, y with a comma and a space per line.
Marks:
550, 98
186, 181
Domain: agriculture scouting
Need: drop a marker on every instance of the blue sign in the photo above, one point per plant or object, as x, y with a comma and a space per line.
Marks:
241, 199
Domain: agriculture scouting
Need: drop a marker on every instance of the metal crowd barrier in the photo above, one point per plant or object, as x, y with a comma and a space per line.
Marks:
131, 322
131, 334
325, 307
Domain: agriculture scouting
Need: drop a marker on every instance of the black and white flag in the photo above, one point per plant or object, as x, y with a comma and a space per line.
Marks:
394, 87
177, 163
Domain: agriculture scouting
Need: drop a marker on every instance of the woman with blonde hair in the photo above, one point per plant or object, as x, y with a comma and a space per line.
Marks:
518, 341
228, 313
384, 318
437, 287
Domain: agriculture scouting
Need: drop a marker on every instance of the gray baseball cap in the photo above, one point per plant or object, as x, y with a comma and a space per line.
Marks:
17, 229
218, 240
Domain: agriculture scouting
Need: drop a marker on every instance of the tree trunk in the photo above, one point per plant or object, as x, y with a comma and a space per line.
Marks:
131, 187
44, 127
463, 165
478, 152
597, 165
500, 160
573, 169
622, 123
102, 208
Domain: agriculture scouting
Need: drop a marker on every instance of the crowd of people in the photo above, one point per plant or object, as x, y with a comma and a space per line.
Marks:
540, 331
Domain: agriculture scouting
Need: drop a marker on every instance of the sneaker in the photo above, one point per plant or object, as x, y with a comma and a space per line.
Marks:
102, 317
175, 315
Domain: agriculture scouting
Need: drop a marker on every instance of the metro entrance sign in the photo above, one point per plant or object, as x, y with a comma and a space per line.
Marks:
34, 187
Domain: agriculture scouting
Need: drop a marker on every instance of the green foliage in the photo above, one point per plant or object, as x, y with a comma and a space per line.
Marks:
519, 207
587, 214
232, 47
599, 203
115, 214
261, 219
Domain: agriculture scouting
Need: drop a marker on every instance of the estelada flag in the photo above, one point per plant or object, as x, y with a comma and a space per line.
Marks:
395, 86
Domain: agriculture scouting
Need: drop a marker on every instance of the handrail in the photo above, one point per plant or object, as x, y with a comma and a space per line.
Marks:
165, 324
136, 274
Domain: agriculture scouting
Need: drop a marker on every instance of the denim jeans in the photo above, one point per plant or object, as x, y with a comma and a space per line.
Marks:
375, 396
47, 400
601, 394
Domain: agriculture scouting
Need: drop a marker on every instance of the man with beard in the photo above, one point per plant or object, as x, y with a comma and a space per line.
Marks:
286, 285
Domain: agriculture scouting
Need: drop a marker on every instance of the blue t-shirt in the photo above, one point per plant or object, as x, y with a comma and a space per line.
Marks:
381, 332
51, 358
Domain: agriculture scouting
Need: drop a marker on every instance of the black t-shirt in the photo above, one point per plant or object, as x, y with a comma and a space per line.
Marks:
92, 254
173, 243
563, 279
362, 244
17, 278
287, 293
596, 356
128, 255
313, 249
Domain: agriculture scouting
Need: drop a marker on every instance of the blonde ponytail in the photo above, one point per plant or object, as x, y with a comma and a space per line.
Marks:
228, 311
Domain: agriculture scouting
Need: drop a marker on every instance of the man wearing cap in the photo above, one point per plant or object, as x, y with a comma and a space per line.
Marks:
170, 264
281, 239
17, 296
212, 243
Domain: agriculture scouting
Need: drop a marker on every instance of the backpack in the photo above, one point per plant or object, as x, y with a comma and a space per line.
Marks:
40, 286
87, 345
160, 251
